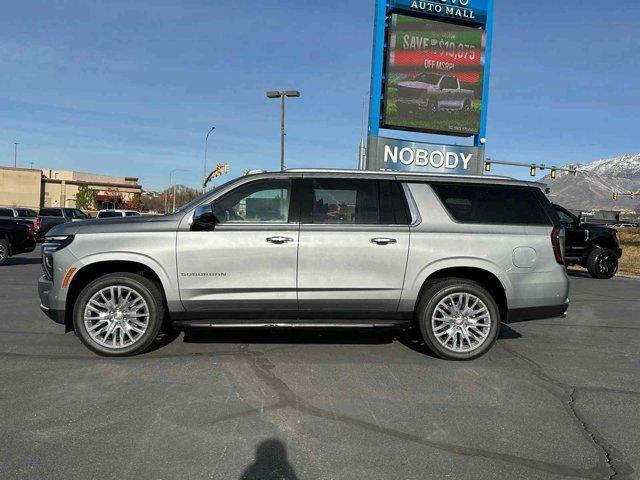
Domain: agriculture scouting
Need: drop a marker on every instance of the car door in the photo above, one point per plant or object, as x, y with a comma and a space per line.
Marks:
246, 261
575, 236
354, 242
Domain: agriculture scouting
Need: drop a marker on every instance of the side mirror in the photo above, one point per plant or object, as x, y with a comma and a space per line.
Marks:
203, 218
582, 220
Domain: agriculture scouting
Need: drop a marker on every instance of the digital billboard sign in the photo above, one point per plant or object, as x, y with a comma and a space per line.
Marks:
434, 76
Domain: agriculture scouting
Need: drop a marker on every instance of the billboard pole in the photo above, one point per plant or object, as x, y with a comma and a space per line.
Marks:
480, 139
377, 66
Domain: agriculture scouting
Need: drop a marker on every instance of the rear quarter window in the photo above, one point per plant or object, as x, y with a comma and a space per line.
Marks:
494, 204
5, 212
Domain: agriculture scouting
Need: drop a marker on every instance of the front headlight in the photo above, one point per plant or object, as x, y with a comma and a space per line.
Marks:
50, 246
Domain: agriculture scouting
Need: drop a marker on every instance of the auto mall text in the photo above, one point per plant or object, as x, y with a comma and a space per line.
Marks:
446, 7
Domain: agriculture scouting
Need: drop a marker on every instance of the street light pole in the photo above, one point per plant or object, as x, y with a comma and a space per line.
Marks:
204, 172
282, 96
174, 188
15, 154
282, 133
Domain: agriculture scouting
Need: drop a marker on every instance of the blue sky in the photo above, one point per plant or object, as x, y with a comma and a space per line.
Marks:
131, 88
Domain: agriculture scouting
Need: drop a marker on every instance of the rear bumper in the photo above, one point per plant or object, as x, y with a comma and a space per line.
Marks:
536, 313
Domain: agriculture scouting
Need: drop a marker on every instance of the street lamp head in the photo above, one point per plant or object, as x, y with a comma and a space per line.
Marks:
292, 93
273, 94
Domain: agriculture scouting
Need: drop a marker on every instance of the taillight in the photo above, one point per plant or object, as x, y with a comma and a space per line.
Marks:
32, 230
38, 223
556, 235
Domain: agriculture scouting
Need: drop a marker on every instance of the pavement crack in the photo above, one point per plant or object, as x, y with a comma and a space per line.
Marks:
612, 462
287, 398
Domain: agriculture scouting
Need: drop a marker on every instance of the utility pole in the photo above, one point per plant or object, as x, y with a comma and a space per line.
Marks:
15, 154
204, 172
282, 96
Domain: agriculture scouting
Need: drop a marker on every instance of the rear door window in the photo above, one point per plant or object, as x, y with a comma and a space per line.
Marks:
353, 201
494, 204
344, 201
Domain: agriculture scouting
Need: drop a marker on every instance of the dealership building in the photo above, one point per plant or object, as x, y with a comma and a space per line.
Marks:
36, 188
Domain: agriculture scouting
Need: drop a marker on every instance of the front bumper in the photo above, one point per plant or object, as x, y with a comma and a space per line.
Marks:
48, 302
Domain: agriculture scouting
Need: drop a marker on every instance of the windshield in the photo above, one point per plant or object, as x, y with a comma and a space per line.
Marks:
198, 199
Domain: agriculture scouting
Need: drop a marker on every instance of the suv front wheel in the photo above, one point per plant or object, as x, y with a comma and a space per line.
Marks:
119, 314
458, 319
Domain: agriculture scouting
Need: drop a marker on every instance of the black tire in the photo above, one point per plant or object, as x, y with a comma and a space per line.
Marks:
438, 290
602, 263
144, 287
4, 251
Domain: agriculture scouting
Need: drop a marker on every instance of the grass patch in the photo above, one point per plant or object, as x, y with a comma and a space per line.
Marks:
630, 261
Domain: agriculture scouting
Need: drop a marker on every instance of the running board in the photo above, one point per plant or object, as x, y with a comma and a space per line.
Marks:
180, 324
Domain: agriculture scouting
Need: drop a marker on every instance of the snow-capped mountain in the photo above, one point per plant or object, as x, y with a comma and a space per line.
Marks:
627, 166
593, 185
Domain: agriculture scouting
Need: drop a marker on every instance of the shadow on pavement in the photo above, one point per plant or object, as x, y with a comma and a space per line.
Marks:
271, 463
23, 261
578, 274
290, 335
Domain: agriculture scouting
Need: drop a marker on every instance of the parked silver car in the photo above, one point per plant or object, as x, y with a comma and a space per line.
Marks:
452, 255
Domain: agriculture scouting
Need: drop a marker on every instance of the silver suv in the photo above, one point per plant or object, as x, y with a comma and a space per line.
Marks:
453, 256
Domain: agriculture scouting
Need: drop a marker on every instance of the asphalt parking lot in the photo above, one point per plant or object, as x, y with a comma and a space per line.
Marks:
554, 399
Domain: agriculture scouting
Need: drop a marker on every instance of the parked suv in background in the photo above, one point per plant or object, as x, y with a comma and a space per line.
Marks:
20, 213
592, 246
313, 248
51, 216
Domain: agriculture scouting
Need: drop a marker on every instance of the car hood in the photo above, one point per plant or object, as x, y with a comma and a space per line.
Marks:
118, 225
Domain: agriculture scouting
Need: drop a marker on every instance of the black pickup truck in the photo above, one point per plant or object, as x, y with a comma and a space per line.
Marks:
592, 246
16, 236
51, 216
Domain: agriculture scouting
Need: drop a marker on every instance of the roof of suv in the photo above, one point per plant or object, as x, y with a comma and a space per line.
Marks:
416, 176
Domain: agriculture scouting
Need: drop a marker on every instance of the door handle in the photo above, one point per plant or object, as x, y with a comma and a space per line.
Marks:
383, 241
279, 240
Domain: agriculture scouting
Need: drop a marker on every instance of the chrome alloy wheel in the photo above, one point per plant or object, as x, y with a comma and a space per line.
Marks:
3, 252
461, 322
116, 317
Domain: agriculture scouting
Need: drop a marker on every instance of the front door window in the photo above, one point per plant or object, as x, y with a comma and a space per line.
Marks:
258, 202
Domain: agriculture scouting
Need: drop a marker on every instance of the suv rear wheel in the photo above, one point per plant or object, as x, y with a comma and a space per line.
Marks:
458, 319
119, 314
